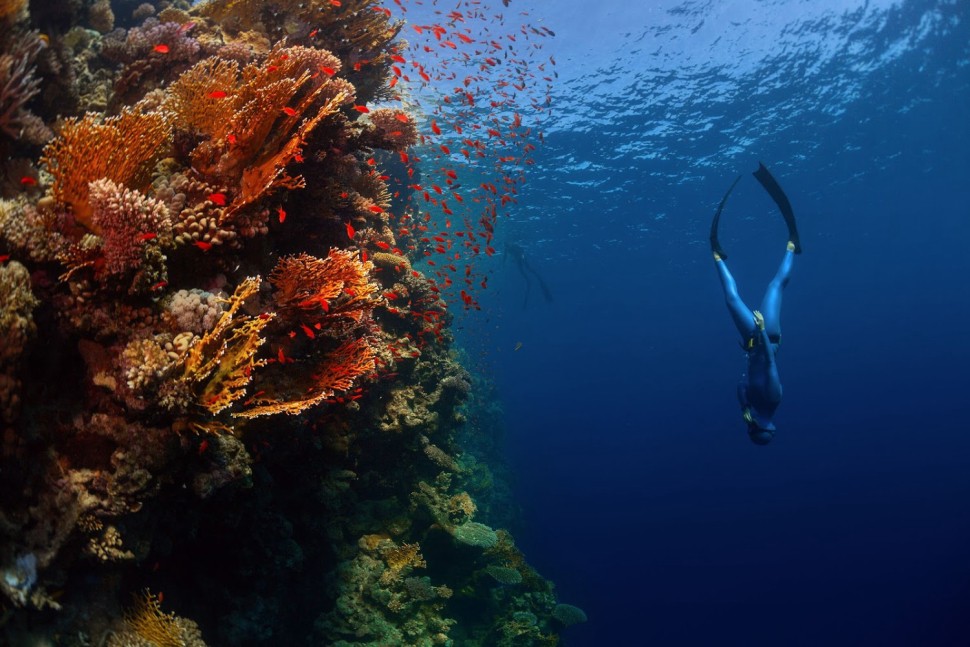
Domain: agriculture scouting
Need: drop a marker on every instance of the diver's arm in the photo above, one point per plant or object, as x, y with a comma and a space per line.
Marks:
740, 313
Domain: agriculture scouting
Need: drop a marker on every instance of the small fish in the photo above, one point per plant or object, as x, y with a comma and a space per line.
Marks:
289, 111
335, 3
218, 198
231, 139
350, 231
161, 49
204, 246
375, 208
281, 214
307, 331
158, 286
204, 445
4, 258
403, 118
329, 71
27, 181
217, 94
147, 237
362, 109
313, 34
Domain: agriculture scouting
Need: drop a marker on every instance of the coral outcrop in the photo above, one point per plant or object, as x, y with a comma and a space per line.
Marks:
222, 376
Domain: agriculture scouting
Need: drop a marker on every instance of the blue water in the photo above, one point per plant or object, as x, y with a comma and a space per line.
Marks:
644, 500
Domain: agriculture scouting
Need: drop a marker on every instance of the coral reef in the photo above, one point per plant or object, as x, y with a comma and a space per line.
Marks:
224, 373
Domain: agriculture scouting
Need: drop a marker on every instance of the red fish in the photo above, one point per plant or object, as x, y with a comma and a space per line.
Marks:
161, 49
218, 198
350, 231
362, 109
28, 181
231, 139
307, 331
281, 214
217, 94
403, 118
375, 208
204, 246
148, 236
159, 286
329, 71
289, 111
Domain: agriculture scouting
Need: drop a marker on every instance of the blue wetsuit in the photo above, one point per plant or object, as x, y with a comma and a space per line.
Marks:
759, 391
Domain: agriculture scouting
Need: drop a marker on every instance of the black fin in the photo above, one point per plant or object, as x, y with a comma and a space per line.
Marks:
715, 245
774, 190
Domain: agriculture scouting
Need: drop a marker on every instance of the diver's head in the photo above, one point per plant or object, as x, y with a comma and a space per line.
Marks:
760, 436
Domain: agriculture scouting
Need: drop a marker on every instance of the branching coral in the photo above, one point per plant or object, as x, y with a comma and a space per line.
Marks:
122, 149
129, 223
338, 286
18, 85
218, 367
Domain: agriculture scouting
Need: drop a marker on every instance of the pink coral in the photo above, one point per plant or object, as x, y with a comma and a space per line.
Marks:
128, 221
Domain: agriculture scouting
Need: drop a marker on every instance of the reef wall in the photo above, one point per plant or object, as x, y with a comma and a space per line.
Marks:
230, 403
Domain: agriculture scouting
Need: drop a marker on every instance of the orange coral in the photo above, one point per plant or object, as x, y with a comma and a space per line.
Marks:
147, 620
338, 373
256, 120
338, 286
122, 149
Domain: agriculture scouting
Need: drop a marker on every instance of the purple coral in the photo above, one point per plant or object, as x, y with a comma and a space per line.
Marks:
18, 85
140, 43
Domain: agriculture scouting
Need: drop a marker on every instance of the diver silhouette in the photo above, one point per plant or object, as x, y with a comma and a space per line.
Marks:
759, 390
517, 254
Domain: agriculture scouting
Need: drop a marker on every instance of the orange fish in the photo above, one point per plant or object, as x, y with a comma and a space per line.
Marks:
148, 236
329, 71
217, 94
231, 139
218, 198
376, 208
362, 109
350, 231
307, 331
281, 214
403, 118
159, 286
204, 246
289, 111
161, 49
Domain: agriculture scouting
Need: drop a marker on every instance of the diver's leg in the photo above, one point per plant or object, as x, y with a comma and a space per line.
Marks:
740, 313
771, 304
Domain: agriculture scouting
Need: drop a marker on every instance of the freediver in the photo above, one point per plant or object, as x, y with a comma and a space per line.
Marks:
517, 254
759, 391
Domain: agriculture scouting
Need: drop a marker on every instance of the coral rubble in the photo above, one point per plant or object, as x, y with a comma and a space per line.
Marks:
219, 377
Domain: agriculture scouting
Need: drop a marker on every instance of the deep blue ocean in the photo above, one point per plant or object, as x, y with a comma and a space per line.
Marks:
642, 497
